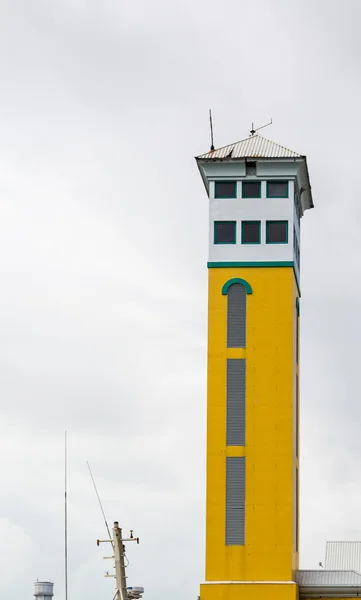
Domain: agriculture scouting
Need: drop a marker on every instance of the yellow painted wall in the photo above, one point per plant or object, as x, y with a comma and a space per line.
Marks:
254, 591
269, 553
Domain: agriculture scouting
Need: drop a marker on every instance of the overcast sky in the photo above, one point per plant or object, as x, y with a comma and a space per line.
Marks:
103, 233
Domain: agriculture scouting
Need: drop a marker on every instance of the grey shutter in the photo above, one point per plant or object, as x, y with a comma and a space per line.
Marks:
235, 500
297, 416
236, 316
236, 402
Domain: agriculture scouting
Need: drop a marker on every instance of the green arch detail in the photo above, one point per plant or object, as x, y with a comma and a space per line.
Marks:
230, 282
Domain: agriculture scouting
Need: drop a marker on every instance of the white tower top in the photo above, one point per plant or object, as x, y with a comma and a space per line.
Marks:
43, 590
258, 191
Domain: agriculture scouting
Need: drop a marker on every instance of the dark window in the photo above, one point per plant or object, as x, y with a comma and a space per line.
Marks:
277, 189
236, 402
235, 500
225, 189
225, 232
251, 232
251, 189
251, 168
236, 316
277, 232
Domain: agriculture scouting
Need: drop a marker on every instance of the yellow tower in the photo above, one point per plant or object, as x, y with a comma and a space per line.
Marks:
258, 192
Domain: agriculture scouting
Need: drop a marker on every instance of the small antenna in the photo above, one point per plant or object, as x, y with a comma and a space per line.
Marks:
66, 518
211, 127
253, 130
100, 504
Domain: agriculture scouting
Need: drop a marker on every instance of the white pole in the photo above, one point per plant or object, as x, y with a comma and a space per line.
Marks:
66, 521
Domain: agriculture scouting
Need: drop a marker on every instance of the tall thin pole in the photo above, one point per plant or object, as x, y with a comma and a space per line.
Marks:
211, 128
100, 502
66, 519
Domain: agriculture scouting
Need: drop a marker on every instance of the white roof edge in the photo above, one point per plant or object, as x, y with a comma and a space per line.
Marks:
323, 578
255, 146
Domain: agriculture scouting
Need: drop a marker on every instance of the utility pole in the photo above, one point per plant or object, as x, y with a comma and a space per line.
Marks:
119, 553
117, 542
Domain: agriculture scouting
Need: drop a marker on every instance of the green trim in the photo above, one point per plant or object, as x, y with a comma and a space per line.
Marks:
234, 223
273, 223
225, 197
259, 232
298, 306
230, 282
279, 181
220, 265
252, 182
225, 265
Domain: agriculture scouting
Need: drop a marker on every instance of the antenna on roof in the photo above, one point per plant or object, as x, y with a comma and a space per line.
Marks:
253, 130
66, 514
211, 127
100, 502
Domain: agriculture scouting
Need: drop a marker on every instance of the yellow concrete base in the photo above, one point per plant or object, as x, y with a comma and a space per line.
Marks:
249, 591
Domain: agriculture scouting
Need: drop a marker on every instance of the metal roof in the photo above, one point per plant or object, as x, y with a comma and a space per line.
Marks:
255, 146
343, 555
328, 579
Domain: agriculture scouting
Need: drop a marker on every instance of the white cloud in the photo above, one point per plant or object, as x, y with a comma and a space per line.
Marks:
19, 557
